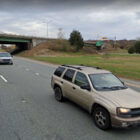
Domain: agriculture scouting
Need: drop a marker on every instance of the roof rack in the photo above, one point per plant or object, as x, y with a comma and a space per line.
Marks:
91, 66
78, 68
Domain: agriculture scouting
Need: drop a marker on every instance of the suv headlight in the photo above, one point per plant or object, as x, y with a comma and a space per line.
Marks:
123, 112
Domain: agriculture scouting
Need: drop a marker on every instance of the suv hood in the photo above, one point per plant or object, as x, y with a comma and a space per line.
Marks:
123, 98
5, 58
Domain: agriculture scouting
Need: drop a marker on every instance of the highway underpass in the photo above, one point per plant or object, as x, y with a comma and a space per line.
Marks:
22, 42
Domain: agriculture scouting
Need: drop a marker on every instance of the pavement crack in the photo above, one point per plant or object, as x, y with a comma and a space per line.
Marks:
17, 135
53, 137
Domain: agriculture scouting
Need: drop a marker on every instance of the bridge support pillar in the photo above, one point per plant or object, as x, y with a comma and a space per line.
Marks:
29, 46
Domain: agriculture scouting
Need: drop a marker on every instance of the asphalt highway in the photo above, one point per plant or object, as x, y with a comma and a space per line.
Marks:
28, 110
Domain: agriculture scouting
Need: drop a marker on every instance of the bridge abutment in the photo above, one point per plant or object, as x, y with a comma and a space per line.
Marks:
37, 41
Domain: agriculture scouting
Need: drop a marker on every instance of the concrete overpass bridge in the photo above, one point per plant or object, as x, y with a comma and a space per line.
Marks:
21, 42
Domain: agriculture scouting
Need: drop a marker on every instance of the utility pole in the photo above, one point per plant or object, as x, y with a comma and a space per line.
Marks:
114, 42
47, 30
47, 25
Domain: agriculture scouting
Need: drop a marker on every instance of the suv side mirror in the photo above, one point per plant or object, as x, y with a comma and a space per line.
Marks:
85, 86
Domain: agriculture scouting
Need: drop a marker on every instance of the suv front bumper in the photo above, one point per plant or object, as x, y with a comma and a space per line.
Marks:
124, 122
6, 61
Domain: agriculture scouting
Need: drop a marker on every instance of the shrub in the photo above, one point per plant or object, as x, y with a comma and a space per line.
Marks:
131, 50
59, 45
122, 47
137, 47
76, 40
89, 50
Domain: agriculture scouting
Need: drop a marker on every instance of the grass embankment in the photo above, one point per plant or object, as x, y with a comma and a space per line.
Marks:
123, 65
1, 50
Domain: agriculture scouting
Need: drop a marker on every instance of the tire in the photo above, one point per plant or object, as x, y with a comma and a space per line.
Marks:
101, 118
58, 94
11, 63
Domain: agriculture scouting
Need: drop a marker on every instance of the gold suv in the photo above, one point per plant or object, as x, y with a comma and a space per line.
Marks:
100, 92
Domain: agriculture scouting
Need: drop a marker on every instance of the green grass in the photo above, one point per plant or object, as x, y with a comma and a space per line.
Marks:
123, 65
1, 50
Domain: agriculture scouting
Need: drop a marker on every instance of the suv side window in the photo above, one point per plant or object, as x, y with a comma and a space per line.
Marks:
69, 75
58, 72
81, 79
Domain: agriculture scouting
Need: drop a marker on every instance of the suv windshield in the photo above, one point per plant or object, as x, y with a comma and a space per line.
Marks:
106, 81
5, 55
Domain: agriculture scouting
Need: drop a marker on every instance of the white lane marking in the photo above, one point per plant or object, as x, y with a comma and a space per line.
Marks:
36, 73
27, 69
3, 79
23, 101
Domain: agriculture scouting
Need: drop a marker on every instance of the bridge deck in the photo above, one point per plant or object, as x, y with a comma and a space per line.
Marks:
4, 39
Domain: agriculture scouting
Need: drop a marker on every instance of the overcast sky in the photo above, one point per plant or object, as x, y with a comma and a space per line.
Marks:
93, 18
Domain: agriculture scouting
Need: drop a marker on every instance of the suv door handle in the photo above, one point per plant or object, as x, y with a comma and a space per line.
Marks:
61, 82
74, 88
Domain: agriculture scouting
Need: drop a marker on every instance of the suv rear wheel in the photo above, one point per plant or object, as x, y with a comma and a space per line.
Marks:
101, 118
58, 94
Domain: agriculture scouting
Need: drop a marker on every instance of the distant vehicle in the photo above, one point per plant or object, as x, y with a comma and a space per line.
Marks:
6, 58
100, 92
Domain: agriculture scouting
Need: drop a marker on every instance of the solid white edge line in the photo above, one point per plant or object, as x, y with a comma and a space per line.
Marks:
3, 79
133, 85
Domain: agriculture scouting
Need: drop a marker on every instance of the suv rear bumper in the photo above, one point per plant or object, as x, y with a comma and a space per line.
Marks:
124, 122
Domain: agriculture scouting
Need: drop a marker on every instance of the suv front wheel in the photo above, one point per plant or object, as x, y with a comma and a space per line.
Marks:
58, 94
101, 118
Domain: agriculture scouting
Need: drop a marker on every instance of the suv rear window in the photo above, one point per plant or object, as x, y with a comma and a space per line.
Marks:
69, 75
59, 71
